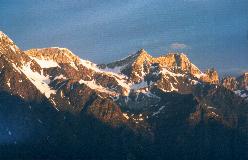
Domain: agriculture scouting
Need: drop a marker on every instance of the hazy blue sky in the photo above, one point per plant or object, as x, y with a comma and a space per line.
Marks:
213, 33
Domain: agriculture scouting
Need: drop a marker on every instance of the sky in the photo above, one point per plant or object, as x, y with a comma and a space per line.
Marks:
213, 33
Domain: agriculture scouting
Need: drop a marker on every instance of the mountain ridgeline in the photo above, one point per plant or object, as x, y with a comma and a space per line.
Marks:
55, 105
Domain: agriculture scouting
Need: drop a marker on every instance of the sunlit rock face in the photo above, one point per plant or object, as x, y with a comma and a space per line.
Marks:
59, 55
54, 96
230, 83
211, 76
237, 84
243, 80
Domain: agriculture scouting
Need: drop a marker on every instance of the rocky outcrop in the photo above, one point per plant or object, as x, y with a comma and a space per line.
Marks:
230, 83
59, 55
243, 80
137, 66
210, 76
237, 84
175, 61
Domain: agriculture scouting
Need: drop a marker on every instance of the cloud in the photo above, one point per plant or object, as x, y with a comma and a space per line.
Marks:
178, 46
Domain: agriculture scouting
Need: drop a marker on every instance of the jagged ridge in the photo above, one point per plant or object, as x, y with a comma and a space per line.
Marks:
166, 100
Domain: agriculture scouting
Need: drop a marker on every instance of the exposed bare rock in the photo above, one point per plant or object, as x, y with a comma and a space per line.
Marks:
13, 80
59, 55
175, 61
243, 80
139, 104
230, 83
211, 76
137, 66
237, 84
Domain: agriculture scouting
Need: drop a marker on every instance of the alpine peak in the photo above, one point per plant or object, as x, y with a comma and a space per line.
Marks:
142, 52
140, 93
7, 45
59, 55
2, 34
211, 76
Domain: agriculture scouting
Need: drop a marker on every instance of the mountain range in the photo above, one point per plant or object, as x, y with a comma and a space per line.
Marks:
55, 105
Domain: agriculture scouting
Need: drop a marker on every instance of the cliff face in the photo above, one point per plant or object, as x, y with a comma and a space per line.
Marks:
176, 61
211, 76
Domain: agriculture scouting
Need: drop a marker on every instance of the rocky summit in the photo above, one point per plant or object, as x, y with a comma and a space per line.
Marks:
55, 105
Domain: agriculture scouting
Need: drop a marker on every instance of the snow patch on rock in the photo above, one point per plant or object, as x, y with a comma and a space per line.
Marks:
39, 80
45, 63
8, 83
93, 85
159, 110
60, 77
